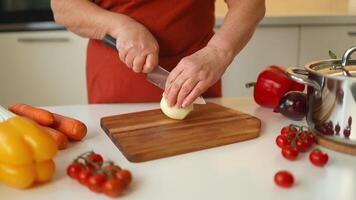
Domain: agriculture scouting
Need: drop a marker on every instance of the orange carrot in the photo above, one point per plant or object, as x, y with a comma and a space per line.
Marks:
41, 116
74, 129
59, 137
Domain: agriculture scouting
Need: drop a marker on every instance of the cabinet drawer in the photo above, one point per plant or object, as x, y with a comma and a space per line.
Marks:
42, 68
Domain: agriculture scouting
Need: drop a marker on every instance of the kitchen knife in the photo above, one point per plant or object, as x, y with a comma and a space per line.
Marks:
158, 76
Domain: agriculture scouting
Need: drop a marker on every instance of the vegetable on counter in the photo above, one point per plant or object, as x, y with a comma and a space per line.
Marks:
60, 128
26, 151
318, 158
293, 105
284, 179
74, 129
272, 83
60, 138
42, 117
90, 170
295, 139
292, 140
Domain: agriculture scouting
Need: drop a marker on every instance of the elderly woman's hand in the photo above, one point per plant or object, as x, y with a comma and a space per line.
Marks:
194, 74
137, 47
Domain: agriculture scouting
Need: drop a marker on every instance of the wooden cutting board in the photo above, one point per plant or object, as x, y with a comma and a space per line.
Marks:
336, 146
149, 135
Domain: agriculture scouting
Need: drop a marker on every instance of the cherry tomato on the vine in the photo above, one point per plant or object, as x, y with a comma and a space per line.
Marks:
96, 158
91, 171
302, 145
111, 168
125, 176
74, 169
290, 153
282, 141
84, 176
113, 187
289, 132
96, 181
311, 138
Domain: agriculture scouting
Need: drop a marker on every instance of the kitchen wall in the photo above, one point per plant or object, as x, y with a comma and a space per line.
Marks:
300, 7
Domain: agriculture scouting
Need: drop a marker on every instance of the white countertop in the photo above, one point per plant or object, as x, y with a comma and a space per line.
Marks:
238, 171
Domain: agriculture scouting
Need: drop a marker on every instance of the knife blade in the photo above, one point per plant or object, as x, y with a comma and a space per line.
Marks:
157, 77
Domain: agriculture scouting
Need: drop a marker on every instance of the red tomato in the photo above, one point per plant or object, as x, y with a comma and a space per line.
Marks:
302, 145
112, 168
284, 179
318, 158
282, 141
289, 132
84, 175
311, 138
290, 153
74, 169
113, 187
125, 176
96, 181
96, 158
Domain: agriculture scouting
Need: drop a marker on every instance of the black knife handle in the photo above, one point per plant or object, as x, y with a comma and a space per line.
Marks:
109, 41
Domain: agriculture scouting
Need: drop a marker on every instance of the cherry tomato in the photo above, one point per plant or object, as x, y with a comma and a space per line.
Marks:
290, 153
95, 182
125, 176
311, 138
84, 175
111, 168
318, 158
289, 132
96, 158
284, 179
89, 167
302, 145
74, 169
282, 141
113, 187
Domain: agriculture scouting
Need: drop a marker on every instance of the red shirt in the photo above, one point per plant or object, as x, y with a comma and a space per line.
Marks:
181, 27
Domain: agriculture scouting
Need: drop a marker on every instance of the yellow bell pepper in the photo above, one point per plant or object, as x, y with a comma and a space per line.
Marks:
26, 151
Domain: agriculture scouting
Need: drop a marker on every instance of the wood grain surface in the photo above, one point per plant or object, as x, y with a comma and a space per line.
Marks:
149, 135
336, 146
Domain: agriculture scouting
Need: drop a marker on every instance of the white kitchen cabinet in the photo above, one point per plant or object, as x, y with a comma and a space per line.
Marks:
42, 68
269, 45
316, 41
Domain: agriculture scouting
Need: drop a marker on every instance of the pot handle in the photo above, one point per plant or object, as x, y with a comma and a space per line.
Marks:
300, 75
346, 56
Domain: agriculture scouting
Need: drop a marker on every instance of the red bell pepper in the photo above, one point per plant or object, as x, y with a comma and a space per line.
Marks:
272, 83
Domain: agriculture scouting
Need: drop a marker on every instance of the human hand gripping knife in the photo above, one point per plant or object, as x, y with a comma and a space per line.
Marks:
158, 76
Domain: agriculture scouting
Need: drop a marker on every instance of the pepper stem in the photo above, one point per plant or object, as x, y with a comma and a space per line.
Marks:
249, 85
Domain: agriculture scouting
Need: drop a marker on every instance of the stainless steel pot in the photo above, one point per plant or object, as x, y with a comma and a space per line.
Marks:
331, 96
